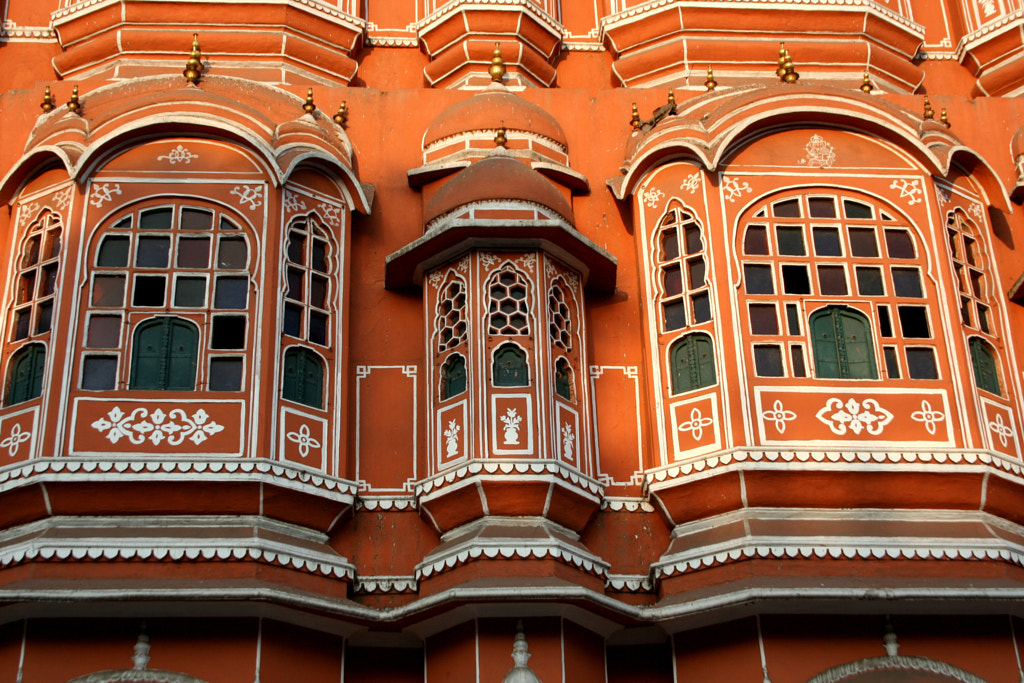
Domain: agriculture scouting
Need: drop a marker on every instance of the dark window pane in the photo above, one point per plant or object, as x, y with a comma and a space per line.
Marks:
113, 252
293, 320
295, 282
228, 332
22, 319
303, 377
675, 315
701, 307
104, 332
231, 292
225, 224
899, 244
44, 317
149, 290
856, 209
756, 240
758, 279
970, 251
510, 368
190, 292
318, 291
31, 253
153, 251
225, 374
672, 279
832, 280
48, 282
108, 290
965, 310
669, 245
319, 260
892, 366
907, 282
196, 219
913, 322
826, 242
52, 248
791, 240
763, 319
156, 219
921, 364
983, 319
869, 281
233, 253
884, 321
297, 247
862, 242
976, 287
99, 373
194, 253
986, 370
318, 328
693, 241
953, 243
696, 272
768, 361
26, 287
125, 222
692, 363
793, 319
453, 376
797, 355
795, 280
787, 209
822, 207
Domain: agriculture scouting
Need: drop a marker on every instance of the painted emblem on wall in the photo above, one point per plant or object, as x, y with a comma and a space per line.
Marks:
909, 190
141, 425
303, 438
511, 420
179, 154
12, 442
818, 153
734, 188
855, 416
249, 194
451, 439
103, 193
928, 416
779, 415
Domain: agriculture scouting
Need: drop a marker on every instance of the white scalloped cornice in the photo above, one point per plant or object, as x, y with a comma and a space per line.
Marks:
511, 468
511, 549
386, 584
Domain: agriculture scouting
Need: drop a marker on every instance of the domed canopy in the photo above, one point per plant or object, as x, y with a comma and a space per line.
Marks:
498, 178
490, 108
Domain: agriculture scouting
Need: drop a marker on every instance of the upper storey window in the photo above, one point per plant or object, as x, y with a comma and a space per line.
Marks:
508, 316
168, 305
308, 287
682, 271
451, 331
803, 255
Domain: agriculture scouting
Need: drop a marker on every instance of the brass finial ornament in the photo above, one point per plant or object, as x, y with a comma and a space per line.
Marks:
194, 65
865, 86
308, 106
497, 69
47, 103
710, 83
781, 71
635, 122
74, 106
672, 97
789, 74
500, 139
341, 118
944, 117
929, 113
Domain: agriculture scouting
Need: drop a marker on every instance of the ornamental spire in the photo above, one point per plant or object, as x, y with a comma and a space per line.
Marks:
74, 106
497, 69
47, 103
865, 86
710, 83
309, 107
194, 65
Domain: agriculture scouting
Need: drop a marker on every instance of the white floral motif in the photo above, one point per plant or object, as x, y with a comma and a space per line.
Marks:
909, 190
15, 439
451, 439
988, 7
27, 213
652, 197
140, 425
819, 153
488, 260
734, 188
511, 420
779, 415
303, 439
103, 193
249, 194
696, 424
61, 199
528, 261
179, 153
463, 266
568, 442
293, 202
1001, 429
691, 183
977, 211
928, 416
330, 213
854, 416
434, 278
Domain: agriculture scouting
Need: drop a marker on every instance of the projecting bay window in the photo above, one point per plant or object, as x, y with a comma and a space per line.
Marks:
450, 337
508, 317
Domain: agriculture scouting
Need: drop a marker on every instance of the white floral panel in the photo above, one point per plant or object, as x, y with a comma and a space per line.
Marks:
511, 424
451, 435
302, 439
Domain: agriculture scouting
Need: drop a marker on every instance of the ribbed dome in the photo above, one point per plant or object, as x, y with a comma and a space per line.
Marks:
487, 110
498, 177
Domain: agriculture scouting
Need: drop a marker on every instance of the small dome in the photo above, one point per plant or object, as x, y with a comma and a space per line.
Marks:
487, 110
498, 177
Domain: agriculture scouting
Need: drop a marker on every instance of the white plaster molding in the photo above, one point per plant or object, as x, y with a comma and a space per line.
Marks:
478, 548
513, 468
895, 663
386, 584
440, 15
629, 583
624, 503
141, 675
386, 503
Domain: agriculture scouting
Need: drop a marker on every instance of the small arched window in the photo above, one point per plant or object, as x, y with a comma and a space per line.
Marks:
510, 368
164, 353
842, 344
682, 271
308, 291
564, 384
453, 376
25, 379
508, 312
692, 363
303, 380
986, 372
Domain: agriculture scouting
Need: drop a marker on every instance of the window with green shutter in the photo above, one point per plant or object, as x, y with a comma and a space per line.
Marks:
26, 374
986, 375
453, 376
164, 353
303, 380
692, 362
510, 369
842, 344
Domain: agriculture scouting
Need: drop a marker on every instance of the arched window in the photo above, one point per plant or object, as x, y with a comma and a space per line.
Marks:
842, 344
564, 384
682, 271
510, 368
986, 372
453, 376
450, 317
25, 377
692, 363
508, 312
164, 353
308, 290
560, 325
303, 380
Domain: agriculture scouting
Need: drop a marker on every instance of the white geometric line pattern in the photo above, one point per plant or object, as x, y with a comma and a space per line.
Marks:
303, 439
249, 194
696, 424
1001, 429
909, 190
928, 416
103, 193
174, 426
734, 188
13, 440
691, 183
652, 197
779, 415
854, 416
179, 153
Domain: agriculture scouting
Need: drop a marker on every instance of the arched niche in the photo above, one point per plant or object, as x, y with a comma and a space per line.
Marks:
896, 669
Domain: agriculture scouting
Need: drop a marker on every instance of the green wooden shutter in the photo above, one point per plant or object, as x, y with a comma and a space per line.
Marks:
510, 369
692, 361
842, 345
986, 375
27, 368
303, 377
453, 377
164, 355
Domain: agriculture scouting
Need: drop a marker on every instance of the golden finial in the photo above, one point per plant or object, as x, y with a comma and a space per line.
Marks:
194, 65
497, 69
47, 104
789, 72
865, 86
635, 122
309, 107
500, 139
341, 118
781, 71
672, 97
74, 106
944, 117
929, 113
710, 83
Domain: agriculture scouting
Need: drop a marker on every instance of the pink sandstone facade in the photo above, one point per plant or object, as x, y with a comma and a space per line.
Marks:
518, 340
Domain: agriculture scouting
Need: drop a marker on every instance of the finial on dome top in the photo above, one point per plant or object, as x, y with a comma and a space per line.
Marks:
500, 139
140, 658
944, 117
789, 74
865, 86
47, 103
929, 113
497, 69
74, 106
521, 672
710, 83
672, 97
635, 122
781, 71
194, 65
341, 118
309, 107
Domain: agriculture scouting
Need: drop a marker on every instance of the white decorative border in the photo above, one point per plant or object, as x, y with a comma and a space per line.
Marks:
495, 430
714, 427
620, 504
386, 503
410, 371
507, 549
988, 428
513, 468
629, 583
283, 437
386, 584
464, 442
629, 372
894, 663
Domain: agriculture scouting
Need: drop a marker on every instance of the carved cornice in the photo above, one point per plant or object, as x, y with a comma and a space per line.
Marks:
895, 663
511, 468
